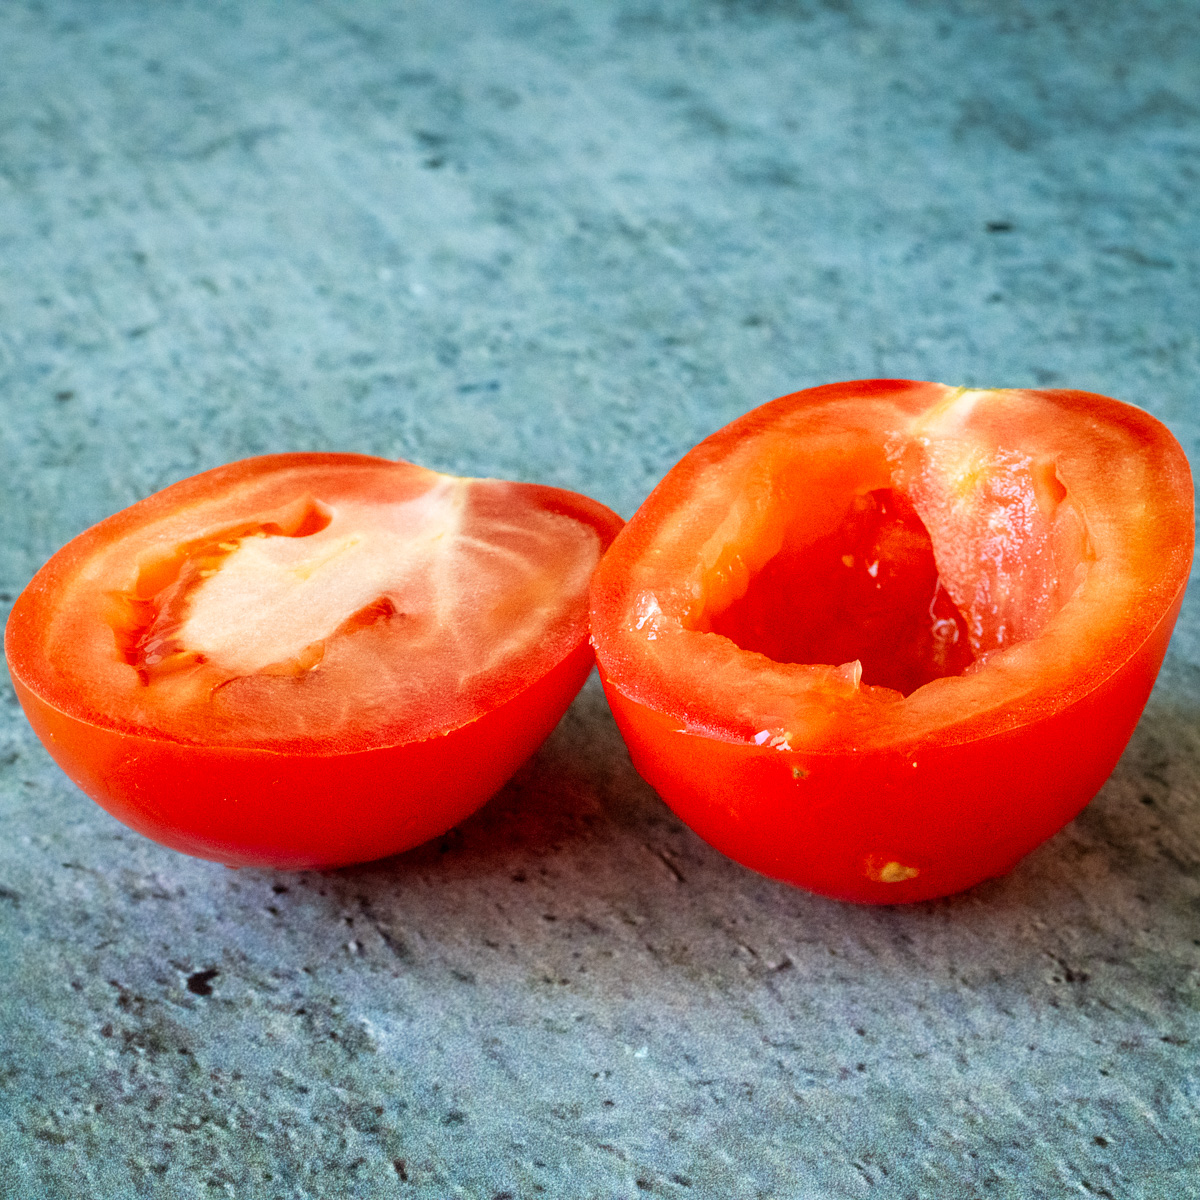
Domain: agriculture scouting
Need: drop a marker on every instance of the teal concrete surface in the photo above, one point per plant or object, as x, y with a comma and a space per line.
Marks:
563, 240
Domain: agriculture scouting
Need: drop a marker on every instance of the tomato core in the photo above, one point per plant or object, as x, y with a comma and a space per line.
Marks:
147, 621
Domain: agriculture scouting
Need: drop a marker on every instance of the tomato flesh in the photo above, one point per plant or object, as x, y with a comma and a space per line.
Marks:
870, 592
305, 660
881, 639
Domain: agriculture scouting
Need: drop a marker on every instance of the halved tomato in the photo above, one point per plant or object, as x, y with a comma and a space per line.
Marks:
307, 660
880, 639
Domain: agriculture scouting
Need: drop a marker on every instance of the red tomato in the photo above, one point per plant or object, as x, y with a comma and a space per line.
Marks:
881, 639
308, 660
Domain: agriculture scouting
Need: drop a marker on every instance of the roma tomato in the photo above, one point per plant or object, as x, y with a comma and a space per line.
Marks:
881, 639
306, 660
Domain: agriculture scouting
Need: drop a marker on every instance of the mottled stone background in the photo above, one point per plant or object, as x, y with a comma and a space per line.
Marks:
562, 240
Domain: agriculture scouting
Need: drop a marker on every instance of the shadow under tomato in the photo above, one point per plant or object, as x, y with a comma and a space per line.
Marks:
577, 790
1109, 900
576, 873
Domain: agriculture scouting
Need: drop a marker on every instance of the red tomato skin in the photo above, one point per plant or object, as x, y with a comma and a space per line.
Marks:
959, 814
258, 808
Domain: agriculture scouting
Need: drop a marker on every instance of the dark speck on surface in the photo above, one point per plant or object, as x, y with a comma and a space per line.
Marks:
199, 983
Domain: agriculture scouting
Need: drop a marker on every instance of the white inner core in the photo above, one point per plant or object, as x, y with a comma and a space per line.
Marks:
274, 596
469, 589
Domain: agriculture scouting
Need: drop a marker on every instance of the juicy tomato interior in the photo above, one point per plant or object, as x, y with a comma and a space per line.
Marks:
320, 601
857, 580
841, 571
868, 592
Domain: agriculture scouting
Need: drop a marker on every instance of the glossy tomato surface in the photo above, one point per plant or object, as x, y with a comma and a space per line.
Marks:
881, 639
309, 660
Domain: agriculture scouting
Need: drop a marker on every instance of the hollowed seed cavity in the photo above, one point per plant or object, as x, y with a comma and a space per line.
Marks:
868, 591
965, 554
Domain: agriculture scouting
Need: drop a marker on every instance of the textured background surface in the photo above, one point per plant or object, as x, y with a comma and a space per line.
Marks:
562, 242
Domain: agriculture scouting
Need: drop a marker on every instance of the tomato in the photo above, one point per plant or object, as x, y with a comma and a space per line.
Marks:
881, 639
307, 660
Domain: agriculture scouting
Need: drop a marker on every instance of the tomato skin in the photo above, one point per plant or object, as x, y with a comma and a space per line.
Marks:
247, 807
964, 813
374, 779
853, 807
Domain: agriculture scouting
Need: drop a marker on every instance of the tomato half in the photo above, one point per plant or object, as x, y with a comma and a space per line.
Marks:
308, 660
881, 639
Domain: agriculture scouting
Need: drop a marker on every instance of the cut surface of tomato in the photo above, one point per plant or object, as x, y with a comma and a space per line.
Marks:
881, 639
309, 659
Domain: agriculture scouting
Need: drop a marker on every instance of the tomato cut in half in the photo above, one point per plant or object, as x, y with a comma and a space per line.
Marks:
308, 660
881, 639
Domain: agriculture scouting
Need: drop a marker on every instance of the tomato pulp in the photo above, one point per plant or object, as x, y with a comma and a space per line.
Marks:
881, 639
307, 660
